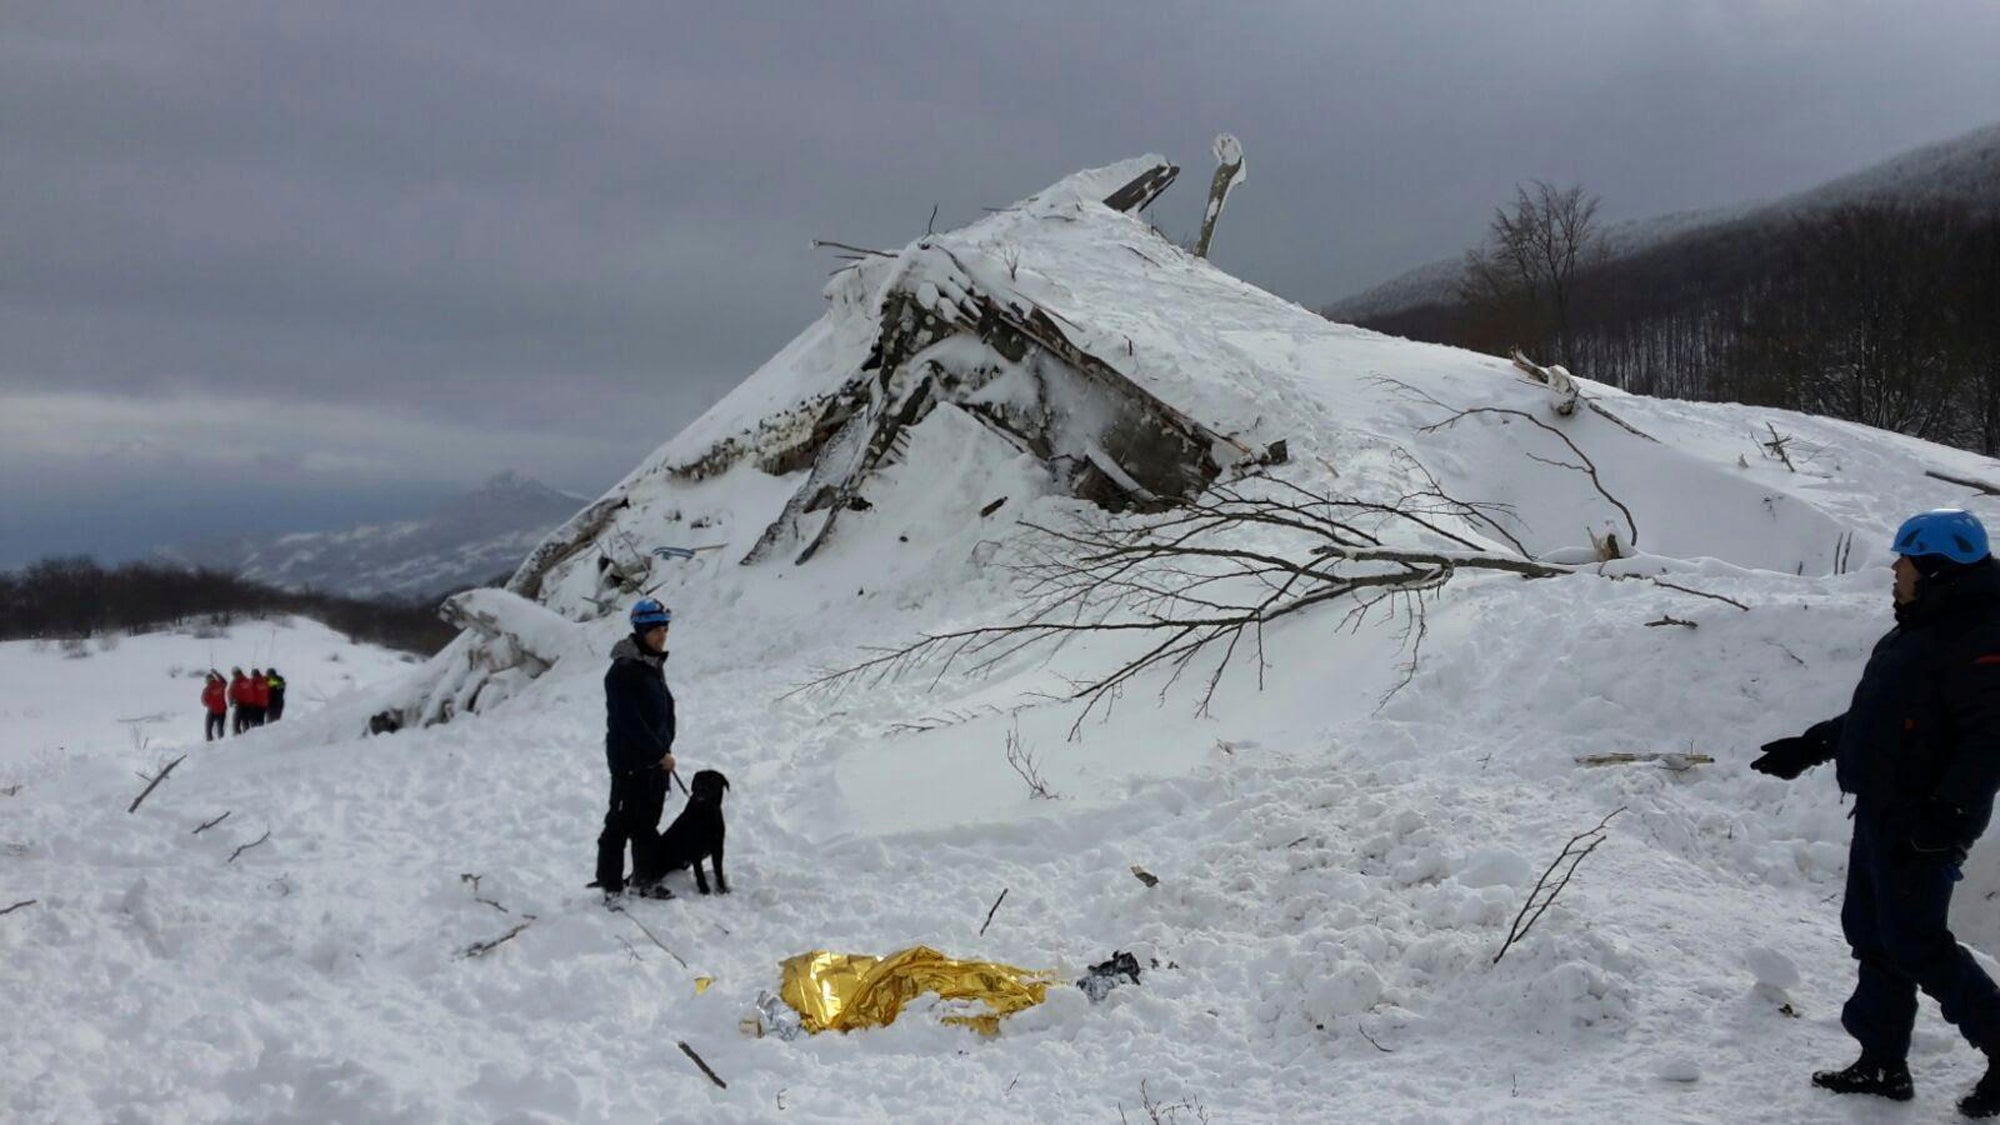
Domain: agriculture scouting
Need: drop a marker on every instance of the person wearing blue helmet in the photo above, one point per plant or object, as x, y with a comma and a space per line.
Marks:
639, 749
1919, 749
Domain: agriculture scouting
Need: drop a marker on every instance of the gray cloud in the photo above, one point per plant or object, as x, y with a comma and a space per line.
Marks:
585, 222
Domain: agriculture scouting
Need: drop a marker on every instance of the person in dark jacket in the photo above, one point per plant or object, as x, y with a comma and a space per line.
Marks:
1919, 749
214, 701
274, 707
639, 749
259, 693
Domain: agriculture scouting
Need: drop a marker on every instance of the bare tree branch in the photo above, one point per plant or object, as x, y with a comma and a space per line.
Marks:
210, 824
995, 910
1524, 921
654, 938
482, 948
153, 782
1588, 467
248, 846
1023, 762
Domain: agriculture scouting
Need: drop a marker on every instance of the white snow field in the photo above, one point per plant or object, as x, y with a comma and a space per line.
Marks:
1336, 872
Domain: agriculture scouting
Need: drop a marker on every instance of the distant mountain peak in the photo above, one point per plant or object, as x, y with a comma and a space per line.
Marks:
468, 540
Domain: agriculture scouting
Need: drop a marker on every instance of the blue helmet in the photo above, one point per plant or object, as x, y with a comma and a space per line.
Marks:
1951, 532
649, 614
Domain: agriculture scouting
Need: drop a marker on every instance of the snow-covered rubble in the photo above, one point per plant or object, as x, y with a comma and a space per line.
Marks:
1340, 841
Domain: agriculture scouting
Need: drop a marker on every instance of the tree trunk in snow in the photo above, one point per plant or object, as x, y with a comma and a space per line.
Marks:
1556, 378
563, 542
534, 637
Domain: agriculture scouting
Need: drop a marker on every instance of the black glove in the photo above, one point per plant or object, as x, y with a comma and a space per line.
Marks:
1790, 757
1936, 832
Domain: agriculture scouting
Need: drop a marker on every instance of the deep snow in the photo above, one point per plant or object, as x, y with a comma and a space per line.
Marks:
1336, 869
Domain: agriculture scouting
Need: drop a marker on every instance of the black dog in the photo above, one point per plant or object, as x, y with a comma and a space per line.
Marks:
697, 832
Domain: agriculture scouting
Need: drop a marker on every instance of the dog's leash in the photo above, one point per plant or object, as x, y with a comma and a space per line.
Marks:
675, 774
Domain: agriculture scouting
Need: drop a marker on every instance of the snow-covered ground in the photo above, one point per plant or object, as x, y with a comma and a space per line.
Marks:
132, 698
1336, 870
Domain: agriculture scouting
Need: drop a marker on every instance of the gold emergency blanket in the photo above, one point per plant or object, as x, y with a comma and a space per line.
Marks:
844, 991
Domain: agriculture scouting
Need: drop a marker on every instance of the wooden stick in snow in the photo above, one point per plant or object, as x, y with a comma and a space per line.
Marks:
1988, 489
19, 905
996, 908
689, 1052
821, 242
1670, 759
210, 824
655, 940
153, 783
481, 948
248, 846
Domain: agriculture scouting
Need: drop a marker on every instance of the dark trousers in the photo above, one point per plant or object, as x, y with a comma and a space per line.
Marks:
636, 801
240, 719
276, 710
214, 727
1894, 919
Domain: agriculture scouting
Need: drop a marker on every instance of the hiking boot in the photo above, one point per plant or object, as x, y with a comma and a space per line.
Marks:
1867, 1076
1984, 1100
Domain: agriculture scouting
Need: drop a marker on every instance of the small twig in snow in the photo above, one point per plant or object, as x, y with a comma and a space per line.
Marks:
996, 908
468, 877
1523, 922
153, 783
1777, 445
481, 948
655, 940
1371, 1038
1684, 589
19, 905
1668, 620
210, 824
248, 846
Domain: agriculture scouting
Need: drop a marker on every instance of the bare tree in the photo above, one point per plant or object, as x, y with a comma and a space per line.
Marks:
1523, 277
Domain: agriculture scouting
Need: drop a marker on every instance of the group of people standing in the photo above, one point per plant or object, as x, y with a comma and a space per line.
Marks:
258, 698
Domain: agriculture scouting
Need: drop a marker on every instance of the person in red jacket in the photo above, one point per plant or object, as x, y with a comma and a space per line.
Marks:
239, 697
260, 696
215, 701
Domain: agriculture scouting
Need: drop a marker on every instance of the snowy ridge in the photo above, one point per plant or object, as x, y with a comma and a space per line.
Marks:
1338, 862
1963, 169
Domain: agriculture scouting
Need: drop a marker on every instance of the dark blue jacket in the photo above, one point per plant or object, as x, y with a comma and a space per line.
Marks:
638, 709
1922, 733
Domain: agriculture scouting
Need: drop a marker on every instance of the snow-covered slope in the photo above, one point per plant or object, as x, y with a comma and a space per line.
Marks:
1964, 169
465, 542
1337, 864
120, 696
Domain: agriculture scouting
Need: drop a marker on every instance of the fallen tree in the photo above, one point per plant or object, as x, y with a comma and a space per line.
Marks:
1200, 580
1188, 581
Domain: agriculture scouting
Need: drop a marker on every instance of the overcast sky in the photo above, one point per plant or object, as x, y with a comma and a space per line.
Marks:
285, 265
